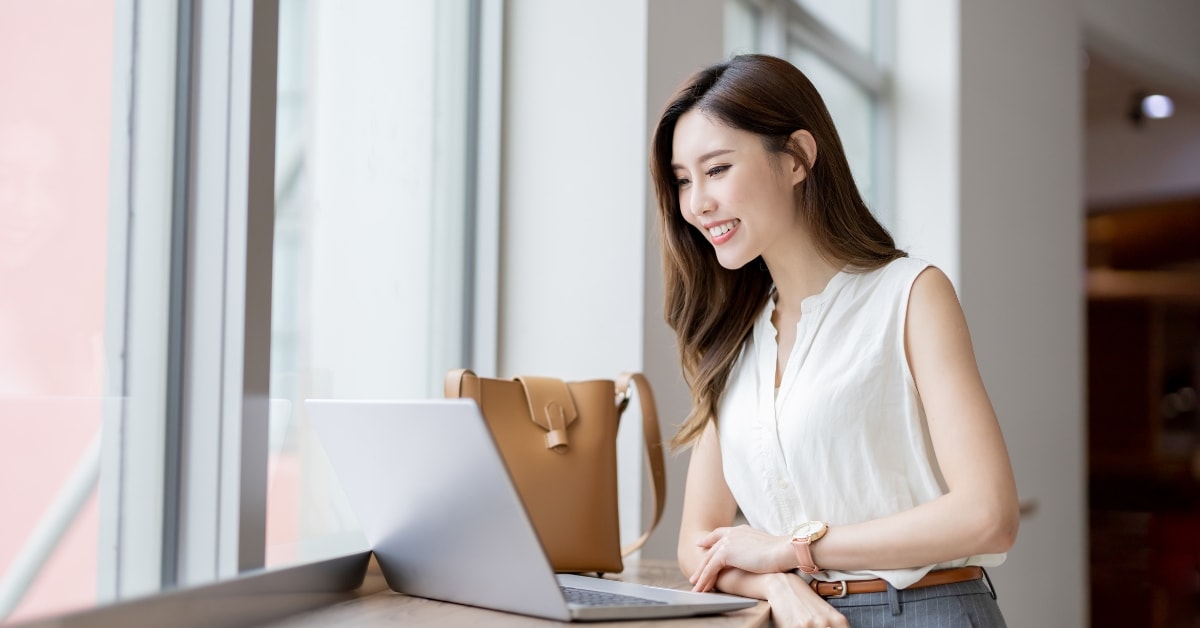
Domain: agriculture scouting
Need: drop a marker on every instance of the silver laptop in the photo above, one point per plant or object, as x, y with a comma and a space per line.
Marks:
440, 511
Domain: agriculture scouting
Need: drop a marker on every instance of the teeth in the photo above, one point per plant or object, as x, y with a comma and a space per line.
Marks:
722, 228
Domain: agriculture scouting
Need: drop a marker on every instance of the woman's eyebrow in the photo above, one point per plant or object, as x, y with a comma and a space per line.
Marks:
706, 156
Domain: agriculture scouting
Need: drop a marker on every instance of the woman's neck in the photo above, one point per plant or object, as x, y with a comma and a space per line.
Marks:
799, 273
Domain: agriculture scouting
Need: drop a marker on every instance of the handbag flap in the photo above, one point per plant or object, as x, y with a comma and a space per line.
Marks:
551, 407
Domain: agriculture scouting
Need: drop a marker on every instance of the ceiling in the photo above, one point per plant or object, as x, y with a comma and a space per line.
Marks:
1160, 235
1109, 89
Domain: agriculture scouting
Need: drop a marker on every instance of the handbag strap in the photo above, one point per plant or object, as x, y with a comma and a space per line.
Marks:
461, 383
654, 449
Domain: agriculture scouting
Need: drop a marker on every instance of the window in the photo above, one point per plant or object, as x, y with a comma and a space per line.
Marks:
197, 234
370, 289
86, 134
841, 47
853, 21
741, 28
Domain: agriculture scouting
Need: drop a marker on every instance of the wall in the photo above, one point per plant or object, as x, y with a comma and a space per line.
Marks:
573, 176
1021, 182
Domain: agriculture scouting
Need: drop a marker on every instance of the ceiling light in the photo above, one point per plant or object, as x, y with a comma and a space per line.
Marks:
1150, 107
1157, 106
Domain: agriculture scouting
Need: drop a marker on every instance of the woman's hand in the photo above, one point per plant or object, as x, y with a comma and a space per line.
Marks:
742, 547
794, 603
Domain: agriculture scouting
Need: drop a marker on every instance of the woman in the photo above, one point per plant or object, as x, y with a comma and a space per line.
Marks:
836, 399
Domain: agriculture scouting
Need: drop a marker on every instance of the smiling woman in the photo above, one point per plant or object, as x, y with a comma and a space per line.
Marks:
836, 400
713, 112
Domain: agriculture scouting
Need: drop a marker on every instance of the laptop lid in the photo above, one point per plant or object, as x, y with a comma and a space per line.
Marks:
439, 509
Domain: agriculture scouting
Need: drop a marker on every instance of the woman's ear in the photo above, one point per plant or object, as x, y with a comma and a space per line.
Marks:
804, 145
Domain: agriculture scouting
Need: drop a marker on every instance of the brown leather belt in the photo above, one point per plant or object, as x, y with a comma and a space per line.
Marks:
842, 588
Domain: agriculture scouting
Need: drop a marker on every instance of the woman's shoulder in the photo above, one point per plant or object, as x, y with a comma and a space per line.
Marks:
899, 273
906, 266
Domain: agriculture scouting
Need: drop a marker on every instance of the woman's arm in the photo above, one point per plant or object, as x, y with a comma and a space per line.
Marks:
708, 505
978, 514
707, 502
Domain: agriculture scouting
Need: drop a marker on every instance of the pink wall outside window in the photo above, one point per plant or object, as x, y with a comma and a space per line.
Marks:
56, 74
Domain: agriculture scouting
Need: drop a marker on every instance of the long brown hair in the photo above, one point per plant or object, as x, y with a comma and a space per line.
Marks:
712, 309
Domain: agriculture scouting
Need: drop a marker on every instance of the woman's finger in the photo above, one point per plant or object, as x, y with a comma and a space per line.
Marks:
698, 578
707, 578
704, 559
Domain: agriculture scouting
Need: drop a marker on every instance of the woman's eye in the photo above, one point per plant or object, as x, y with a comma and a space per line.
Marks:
681, 182
716, 170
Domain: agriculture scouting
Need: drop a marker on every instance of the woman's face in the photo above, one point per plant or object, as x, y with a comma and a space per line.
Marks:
733, 190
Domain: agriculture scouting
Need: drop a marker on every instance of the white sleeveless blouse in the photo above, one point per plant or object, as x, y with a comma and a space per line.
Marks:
845, 439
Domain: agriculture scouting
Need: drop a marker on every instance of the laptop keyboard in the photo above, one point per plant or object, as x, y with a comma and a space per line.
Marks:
586, 597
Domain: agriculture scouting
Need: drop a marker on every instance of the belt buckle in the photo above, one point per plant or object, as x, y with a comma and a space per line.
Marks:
845, 590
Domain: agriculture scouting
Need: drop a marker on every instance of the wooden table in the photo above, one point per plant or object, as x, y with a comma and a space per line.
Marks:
376, 605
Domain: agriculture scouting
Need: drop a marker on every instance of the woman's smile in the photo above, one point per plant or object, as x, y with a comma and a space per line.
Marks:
722, 232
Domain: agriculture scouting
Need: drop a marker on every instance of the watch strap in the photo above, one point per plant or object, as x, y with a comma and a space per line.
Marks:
804, 557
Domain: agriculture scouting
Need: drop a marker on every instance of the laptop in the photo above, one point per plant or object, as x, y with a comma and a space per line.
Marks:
439, 509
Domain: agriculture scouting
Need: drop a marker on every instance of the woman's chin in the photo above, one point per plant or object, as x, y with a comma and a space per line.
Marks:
732, 261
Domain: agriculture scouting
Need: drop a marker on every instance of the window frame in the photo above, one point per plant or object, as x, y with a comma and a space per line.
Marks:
230, 256
783, 24
141, 305
221, 518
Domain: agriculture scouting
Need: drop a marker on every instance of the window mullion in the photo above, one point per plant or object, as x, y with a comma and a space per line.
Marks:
132, 474
231, 216
774, 29
483, 243
111, 455
810, 32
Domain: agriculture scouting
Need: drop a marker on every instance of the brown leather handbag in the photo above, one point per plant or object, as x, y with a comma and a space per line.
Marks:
559, 441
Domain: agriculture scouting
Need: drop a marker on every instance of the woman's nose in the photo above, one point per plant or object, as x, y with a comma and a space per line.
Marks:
700, 202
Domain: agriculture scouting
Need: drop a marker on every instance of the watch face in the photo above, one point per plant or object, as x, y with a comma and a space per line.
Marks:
809, 528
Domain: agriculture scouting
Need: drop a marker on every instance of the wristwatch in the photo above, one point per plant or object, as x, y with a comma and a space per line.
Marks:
805, 535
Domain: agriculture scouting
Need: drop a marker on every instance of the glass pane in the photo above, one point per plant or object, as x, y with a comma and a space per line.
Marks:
741, 28
368, 292
55, 115
853, 113
853, 20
